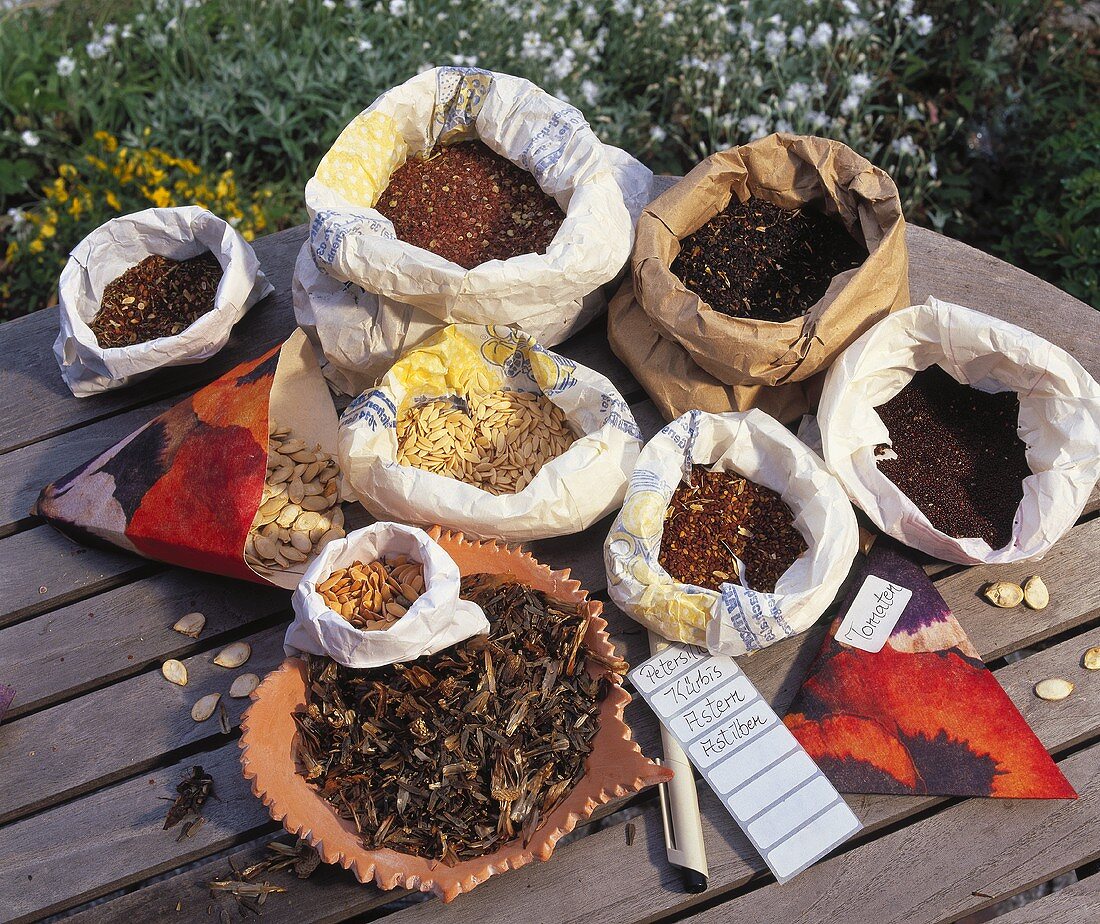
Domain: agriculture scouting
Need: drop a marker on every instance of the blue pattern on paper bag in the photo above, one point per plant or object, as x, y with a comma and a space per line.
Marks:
373, 408
330, 228
547, 144
617, 413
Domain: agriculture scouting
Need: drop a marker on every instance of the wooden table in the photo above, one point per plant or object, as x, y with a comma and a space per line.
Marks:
96, 738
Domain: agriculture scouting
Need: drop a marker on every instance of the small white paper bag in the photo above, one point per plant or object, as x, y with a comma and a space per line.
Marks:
736, 620
1059, 421
436, 620
123, 242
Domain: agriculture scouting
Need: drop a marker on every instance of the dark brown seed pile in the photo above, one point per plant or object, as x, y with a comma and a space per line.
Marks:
719, 515
453, 755
470, 205
157, 298
959, 457
757, 260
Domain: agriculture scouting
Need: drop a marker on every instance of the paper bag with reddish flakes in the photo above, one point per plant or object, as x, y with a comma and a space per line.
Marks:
198, 485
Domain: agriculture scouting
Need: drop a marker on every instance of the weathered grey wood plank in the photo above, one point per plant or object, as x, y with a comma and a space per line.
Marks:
1075, 904
120, 633
609, 881
40, 569
119, 730
957, 862
113, 837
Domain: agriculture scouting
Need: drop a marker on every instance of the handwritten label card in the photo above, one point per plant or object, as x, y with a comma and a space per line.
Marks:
873, 614
775, 792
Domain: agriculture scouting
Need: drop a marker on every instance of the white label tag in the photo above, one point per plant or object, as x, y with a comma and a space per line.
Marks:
780, 799
873, 614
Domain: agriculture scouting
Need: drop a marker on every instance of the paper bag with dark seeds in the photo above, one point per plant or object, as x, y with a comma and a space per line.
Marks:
238, 479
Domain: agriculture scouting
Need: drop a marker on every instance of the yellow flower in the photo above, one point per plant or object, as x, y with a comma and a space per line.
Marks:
160, 197
48, 230
76, 207
68, 171
96, 162
109, 141
112, 201
146, 132
13, 249
36, 246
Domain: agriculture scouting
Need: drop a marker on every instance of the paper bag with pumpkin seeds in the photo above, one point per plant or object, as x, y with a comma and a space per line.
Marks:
237, 479
765, 364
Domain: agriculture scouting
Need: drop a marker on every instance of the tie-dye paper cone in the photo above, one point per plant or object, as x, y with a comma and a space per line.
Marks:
184, 488
923, 716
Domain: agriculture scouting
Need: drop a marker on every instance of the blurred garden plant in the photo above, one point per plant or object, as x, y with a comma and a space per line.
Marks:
262, 88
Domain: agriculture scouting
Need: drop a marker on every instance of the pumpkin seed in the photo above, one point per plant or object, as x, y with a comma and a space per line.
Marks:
233, 655
1091, 660
174, 672
1053, 689
1036, 595
1004, 594
243, 685
204, 708
191, 625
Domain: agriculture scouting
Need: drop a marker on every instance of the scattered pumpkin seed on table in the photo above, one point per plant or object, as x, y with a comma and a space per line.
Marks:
243, 685
233, 655
174, 672
1053, 689
1004, 594
205, 706
1091, 660
1036, 595
191, 625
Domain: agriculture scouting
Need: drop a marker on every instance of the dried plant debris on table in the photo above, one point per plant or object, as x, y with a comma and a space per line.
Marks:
241, 884
719, 515
451, 756
757, 260
159, 297
469, 204
193, 790
955, 453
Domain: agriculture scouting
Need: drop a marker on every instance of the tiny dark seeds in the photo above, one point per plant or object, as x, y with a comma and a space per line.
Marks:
718, 515
470, 205
959, 457
757, 260
452, 755
157, 298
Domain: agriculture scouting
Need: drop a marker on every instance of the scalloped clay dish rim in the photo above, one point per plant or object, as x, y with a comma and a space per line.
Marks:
614, 768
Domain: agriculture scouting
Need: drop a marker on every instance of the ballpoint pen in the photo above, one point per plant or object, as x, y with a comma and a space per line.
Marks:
680, 808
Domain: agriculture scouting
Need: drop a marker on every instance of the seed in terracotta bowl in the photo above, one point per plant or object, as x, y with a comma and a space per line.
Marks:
373, 596
720, 517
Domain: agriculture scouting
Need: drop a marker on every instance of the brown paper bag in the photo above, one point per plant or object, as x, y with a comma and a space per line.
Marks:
676, 383
185, 488
788, 170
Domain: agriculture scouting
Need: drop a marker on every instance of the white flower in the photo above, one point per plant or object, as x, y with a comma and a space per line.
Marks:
775, 42
860, 83
798, 93
364, 45
353, 4
18, 219
563, 67
905, 146
904, 8
657, 134
912, 113
328, 4
933, 169
426, 66
621, 6
96, 49
850, 103
668, 19
851, 7
29, 139
172, 23
798, 36
922, 25
754, 126
822, 35
784, 126
817, 119
398, 7
590, 91
65, 66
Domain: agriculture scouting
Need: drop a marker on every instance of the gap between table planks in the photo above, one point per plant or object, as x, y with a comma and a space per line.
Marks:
1059, 726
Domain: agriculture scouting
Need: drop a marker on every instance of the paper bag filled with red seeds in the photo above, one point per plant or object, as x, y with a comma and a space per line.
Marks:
238, 479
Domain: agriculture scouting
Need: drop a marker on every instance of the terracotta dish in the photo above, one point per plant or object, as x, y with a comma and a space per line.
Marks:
615, 767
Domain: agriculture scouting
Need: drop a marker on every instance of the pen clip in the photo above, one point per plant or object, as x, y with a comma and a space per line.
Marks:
666, 816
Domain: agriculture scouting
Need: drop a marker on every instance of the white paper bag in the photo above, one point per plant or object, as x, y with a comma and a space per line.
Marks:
1059, 422
114, 247
436, 620
568, 494
550, 295
735, 620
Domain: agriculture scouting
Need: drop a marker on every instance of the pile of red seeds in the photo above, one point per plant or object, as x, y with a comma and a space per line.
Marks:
757, 260
157, 298
719, 515
470, 205
959, 457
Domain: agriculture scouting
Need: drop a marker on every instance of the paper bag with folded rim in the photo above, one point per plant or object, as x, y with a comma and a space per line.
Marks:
922, 716
185, 488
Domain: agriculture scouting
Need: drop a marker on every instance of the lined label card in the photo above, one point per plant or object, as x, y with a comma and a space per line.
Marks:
781, 800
